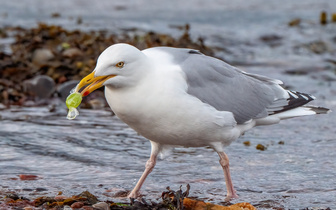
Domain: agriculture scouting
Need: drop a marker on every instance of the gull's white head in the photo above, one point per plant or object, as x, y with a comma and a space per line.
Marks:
117, 66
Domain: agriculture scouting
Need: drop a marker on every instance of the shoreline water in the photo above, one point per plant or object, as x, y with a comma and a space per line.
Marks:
298, 174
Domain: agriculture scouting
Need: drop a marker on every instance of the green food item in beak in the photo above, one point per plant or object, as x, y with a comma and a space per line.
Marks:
88, 84
72, 102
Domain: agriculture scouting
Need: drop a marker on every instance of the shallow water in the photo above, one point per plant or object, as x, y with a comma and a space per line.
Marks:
99, 153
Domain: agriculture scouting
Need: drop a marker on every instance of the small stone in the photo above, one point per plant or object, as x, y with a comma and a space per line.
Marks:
65, 88
294, 22
281, 142
12, 196
55, 15
41, 86
90, 198
41, 189
260, 147
121, 193
318, 47
247, 143
72, 53
101, 206
77, 205
60, 197
42, 56
67, 208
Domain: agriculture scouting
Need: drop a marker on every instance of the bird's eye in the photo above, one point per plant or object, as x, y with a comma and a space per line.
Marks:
120, 64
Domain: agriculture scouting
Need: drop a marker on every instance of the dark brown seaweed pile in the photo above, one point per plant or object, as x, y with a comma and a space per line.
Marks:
173, 200
65, 55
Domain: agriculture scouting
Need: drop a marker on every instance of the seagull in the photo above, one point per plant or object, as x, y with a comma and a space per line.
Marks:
181, 97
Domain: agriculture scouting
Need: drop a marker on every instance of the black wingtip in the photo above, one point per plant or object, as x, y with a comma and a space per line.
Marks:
296, 99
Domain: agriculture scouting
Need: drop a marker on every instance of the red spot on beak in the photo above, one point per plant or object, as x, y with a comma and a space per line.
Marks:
86, 93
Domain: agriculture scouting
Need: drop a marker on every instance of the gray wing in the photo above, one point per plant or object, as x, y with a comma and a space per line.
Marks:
247, 96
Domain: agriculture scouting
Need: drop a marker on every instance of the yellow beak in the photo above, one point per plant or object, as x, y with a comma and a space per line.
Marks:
92, 83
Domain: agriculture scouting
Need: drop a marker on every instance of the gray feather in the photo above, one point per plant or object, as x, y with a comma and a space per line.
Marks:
247, 96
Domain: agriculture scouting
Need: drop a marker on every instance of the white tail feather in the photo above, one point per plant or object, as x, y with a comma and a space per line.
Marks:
301, 111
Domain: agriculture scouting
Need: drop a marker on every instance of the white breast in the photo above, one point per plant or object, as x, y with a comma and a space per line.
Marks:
160, 109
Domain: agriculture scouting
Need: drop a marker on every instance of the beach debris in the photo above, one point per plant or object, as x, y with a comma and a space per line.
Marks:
261, 147
28, 177
72, 102
323, 18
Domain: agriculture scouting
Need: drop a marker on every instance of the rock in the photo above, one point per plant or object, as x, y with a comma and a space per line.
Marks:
91, 199
41, 189
64, 89
272, 40
294, 22
261, 147
41, 86
72, 52
60, 197
42, 56
247, 143
67, 208
121, 193
318, 47
77, 205
101, 206
12, 196
44, 199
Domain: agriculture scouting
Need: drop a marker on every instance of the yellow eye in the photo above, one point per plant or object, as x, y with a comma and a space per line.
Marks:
120, 64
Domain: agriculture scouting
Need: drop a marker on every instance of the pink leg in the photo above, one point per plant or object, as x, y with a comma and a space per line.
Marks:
224, 161
148, 169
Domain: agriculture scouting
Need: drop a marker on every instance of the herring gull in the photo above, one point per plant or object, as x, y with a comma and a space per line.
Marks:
181, 97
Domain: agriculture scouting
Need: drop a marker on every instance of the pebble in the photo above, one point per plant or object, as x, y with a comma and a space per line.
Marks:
77, 205
42, 56
261, 147
41, 189
64, 89
41, 86
67, 208
72, 53
101, 206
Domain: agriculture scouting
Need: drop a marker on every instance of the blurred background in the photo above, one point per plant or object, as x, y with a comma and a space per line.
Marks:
47, 46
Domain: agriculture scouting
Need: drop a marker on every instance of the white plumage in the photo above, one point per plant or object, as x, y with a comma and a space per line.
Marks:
180, 97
